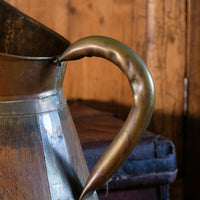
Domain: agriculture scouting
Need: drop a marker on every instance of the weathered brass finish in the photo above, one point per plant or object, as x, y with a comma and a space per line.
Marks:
143, 101
35, 121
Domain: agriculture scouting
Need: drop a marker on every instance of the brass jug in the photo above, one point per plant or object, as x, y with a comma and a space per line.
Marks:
40, 153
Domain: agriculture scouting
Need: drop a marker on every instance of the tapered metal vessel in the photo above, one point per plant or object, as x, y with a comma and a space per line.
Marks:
40, 153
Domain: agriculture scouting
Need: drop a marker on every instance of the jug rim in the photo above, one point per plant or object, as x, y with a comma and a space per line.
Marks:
35, 58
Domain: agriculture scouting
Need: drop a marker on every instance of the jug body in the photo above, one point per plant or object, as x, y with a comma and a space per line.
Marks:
41, 156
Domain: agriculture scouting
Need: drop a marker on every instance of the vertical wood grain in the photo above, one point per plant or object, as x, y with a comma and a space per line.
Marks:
166, 58
97, 79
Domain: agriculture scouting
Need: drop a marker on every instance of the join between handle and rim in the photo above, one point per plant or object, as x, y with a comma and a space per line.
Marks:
143, 92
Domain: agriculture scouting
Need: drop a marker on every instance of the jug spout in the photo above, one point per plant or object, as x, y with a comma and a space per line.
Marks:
23, 36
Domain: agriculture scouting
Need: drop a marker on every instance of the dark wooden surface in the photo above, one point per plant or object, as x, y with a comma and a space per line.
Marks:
93, 125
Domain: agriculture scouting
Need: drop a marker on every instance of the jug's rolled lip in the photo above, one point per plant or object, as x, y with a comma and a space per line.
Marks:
28, 57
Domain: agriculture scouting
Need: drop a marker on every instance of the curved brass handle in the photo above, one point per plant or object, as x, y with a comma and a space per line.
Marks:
143, 101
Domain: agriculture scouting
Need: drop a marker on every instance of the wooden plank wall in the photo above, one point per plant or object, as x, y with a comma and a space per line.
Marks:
155, 29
